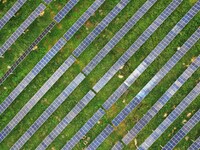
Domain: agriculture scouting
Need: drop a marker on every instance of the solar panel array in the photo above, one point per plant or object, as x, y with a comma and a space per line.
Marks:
137, 44
58, 74
118, 36
195, 145
90, 11
62, 13
118, 146
100, 138
162, 101
83, 131
150, 58
35, 71
86, 42
21, 28
32, 74
171, 117
56, 103
11, 12
183, 131
68, 118
157, 78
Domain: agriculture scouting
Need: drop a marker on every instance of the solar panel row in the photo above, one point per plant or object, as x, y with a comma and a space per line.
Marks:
62, 13
57, 102
102, 25
118, 36
136, 45
171, 117
84, 130
100, 138
157, 78
118, 146
183, 131
47, 114
38, 67
11, 12
21, 28
150, 58
89, 12
195, 145
23, 56
162, 101
68, 118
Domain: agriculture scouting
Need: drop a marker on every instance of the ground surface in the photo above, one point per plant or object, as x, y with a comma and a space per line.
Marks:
34, 30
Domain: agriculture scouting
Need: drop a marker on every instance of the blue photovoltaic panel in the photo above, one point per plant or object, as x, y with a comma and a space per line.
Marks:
40, 93
11, 12
62, 13
136, 45
171, 117
84, 130
56, 103
31, 75
183, 132
21, 28
74, 28
118, 36
59, 128
157, 78
101, 26
162, 101
47, 1
195, 145
118, 146
100, 138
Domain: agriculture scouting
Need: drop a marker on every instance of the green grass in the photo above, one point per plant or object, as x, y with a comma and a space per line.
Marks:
37, 27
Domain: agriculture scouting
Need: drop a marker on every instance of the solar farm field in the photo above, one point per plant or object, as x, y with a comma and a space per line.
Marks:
99, 74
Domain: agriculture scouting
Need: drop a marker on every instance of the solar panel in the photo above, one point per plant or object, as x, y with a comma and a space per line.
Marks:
171, 117
83, 131
62, 13
195, 145
118, 36
11, 12
157, 78
23, 56
118, 146
161, 102
101, 26
32, 74
89, 12
47, 1
100, 138
149, 59
21, 28
183, 131
59, 128
136, 45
